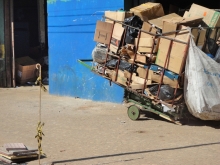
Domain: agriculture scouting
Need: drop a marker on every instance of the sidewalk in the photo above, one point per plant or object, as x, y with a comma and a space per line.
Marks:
83, 132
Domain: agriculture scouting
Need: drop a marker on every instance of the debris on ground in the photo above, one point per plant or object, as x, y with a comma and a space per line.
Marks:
14, 153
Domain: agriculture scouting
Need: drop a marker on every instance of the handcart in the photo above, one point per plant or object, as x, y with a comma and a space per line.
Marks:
141, 100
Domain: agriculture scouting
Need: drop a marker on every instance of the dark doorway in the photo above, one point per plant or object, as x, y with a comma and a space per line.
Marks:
30, 31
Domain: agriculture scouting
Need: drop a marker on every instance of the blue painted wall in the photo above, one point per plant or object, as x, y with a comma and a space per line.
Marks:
71, 26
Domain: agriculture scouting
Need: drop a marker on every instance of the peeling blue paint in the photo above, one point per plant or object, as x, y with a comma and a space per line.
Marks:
71, 29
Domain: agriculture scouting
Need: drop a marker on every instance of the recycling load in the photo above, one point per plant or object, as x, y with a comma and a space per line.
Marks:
169, 59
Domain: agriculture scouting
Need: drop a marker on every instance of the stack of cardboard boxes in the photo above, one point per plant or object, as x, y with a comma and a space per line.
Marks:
159, 51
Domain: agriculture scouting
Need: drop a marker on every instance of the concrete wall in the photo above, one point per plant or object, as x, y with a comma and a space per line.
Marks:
71, 26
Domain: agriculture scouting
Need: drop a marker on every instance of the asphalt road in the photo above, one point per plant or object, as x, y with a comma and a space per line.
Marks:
83, 132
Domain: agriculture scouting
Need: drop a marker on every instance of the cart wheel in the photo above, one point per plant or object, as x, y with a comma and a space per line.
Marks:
133, 112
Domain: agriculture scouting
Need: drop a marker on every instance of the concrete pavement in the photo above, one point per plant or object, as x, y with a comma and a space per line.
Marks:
83, 132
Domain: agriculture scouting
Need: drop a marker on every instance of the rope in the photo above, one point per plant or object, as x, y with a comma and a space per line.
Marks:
39, 136
40, 125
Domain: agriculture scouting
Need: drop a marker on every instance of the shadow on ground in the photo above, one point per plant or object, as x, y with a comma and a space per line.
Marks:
188, 119
133, 153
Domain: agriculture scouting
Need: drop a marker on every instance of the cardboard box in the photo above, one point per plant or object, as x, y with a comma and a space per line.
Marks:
158, 22
187, 21
149, 28
148, 11
116, 37
142, 73
128, 74
134, 85
103, 32
169, 27
145, 44
201, 39
121, 79
185, 15
141, 58
210, 17
183, 35
117, 15
25, 69
176, 57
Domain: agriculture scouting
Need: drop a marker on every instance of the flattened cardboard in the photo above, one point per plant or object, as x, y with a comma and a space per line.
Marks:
210, 17
159, 21
128, 74
148, 11
25, 69
201, 39
145, 44
140, 80
134, 85
103, 32
116, 37
156, 77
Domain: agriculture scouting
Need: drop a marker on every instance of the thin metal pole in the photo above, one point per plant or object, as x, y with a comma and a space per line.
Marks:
12, 42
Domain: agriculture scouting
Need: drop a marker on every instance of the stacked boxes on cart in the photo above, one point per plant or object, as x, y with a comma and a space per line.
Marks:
144, 50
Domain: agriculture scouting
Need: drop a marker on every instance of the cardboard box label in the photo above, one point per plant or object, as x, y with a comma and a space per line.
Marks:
103, 32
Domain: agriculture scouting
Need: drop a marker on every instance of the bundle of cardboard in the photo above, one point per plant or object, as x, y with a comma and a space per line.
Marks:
17, 153
157, 52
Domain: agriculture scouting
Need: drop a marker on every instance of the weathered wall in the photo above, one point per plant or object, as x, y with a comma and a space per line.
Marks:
71, 26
